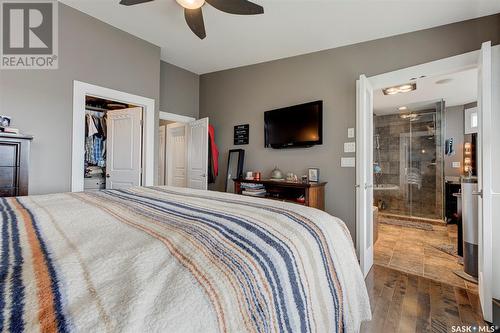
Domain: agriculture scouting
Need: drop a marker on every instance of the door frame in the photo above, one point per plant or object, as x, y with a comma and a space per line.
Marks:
434, 68
149, 137
175, 117
178, 118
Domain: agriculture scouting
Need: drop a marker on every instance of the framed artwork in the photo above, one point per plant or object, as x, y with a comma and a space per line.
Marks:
313, 174
5, 121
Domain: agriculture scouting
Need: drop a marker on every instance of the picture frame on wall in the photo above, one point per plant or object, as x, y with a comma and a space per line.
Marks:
5, 121
313, 175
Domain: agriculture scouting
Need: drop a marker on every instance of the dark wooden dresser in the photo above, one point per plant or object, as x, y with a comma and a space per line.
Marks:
313, 193
14, 164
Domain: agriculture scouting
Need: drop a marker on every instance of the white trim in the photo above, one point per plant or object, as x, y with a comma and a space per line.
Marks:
439, 67
80, 90
175, 117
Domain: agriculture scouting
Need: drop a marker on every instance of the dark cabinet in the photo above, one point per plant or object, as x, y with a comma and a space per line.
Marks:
313, 194
14, 164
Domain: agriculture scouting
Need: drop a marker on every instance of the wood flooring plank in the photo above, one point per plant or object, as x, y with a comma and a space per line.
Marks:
439, 320
424, 306
393, 317
467, 315
408, 322
475, 303
450, 305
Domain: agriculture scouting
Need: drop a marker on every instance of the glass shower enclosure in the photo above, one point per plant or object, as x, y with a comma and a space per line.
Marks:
408, 162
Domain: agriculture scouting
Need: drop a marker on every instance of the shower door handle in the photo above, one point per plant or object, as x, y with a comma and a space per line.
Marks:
478, 193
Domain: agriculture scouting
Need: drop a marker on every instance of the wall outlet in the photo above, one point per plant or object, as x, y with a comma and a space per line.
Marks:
350, 132
455, 164
348, 162
349, 147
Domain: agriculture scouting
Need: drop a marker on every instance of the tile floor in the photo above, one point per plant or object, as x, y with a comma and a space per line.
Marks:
410, 250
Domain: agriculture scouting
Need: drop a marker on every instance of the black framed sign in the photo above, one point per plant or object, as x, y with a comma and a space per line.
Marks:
241, 134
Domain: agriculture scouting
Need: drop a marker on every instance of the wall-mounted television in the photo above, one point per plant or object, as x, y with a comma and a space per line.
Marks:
294, 126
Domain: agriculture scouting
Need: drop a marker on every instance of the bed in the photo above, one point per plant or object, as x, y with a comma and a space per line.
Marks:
163, 259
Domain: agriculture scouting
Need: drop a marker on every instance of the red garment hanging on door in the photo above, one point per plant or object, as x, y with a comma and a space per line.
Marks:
214, 149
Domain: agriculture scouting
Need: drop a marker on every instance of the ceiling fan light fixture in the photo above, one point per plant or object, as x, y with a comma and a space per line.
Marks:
191, 4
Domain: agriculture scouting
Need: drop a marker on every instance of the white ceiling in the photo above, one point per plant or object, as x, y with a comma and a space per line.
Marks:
462, 89
287, 28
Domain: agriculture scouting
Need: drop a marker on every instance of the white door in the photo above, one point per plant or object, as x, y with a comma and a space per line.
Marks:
124, 148
486, 147
364, 173
162, 145
176, 155
198, 154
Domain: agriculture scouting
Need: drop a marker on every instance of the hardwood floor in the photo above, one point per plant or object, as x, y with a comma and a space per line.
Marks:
403, 302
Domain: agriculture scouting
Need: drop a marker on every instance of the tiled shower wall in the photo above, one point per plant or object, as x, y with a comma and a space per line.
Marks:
424, 198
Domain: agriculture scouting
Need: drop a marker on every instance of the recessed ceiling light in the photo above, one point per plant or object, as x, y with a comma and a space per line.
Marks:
407, 87
443, 81
403, 108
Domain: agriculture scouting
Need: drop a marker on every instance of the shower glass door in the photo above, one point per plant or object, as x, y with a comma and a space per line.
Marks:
423, 177
408, 162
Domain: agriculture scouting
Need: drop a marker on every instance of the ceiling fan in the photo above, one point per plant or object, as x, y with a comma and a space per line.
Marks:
194, 15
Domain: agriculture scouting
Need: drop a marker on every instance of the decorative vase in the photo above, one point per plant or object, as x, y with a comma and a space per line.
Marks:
276, 173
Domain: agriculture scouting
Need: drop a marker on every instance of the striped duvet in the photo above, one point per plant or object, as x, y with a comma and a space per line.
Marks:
175, 260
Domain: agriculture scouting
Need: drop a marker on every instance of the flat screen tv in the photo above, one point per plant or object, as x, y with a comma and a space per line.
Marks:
294, 126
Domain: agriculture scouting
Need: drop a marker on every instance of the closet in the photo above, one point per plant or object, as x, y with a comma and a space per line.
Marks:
113, 144
95, 150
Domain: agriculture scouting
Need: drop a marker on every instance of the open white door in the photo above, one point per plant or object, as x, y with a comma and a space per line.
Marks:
176, 155
197, 134
162, 145
124, 148
486, 144
364, 173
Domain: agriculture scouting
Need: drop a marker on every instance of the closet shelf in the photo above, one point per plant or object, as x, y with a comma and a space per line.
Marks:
95, 108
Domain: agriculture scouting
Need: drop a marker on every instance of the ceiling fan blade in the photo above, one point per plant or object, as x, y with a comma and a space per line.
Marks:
133, 2
194, 19
240, 7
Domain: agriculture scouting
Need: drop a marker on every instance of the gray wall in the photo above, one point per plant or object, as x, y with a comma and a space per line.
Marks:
40, 102
241, 95
454, 128
179, 90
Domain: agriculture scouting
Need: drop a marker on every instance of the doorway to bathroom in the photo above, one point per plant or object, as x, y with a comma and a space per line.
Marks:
412, 234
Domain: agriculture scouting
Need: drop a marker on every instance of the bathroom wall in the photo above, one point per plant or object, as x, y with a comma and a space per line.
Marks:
423, 198
454, 129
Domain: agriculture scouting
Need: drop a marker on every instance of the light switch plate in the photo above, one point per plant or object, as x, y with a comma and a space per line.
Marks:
348, 162
349, 147
350, 132
455, 164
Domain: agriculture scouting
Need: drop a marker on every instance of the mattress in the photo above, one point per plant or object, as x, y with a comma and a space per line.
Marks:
164, 259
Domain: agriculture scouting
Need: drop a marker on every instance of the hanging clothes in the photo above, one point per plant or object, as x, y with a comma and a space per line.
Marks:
92, 129
95, 139
213, 156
